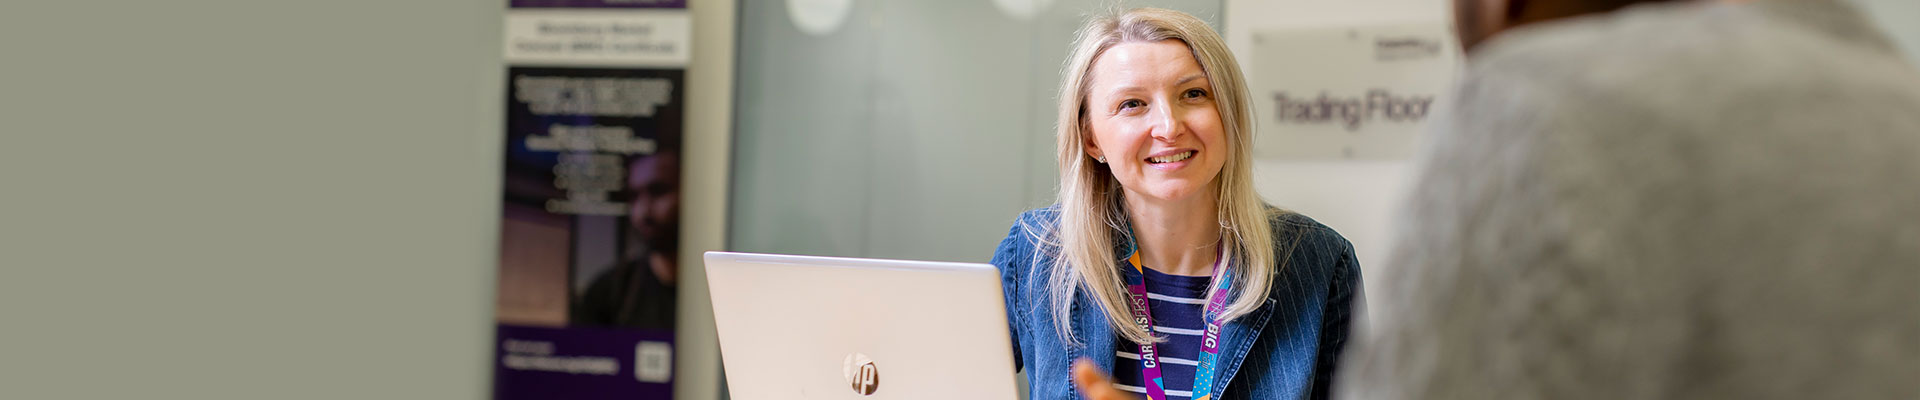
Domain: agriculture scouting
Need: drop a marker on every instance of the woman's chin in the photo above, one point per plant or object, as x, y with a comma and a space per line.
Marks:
1176, 191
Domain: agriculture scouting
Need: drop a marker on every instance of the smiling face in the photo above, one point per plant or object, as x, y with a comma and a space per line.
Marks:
1150, 112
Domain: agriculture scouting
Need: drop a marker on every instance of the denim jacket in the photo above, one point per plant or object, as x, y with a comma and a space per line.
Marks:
1285, 350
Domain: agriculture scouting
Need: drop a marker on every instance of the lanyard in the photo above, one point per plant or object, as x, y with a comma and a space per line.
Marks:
1209, 341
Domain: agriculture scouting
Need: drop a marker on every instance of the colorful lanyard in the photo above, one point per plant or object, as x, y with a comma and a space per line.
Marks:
1209, 342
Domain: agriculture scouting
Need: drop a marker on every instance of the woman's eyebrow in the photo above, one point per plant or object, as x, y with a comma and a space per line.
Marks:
1131, 88
1125, 89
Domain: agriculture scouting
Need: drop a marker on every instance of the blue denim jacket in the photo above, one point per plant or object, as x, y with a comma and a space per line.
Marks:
1285, 350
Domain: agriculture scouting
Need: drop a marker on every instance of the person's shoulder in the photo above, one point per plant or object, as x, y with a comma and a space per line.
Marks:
1027, 236
1297, 229
1307, 248
1039, 217
1036, 223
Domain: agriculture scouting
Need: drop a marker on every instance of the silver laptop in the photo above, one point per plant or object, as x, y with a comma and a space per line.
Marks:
797, 327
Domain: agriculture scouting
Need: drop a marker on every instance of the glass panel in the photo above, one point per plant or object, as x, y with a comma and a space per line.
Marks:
915, 130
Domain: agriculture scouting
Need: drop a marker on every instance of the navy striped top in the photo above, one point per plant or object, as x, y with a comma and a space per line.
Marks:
1178, 304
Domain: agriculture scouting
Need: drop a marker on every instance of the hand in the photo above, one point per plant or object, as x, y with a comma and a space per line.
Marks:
1096, 384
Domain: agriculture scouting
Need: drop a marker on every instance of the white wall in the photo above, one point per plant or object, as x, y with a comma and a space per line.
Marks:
236, 199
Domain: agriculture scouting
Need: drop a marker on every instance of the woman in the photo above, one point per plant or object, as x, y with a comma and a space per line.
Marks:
1157, 208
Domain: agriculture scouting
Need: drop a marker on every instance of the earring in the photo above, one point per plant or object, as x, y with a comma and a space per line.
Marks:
1102, 159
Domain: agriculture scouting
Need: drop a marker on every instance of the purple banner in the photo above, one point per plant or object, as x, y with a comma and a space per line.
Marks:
590, 222
582, 363
598, 4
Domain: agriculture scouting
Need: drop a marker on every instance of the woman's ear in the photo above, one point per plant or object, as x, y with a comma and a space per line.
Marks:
1087, 145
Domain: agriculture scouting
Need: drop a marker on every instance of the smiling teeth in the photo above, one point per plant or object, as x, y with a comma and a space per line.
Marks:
1171, 158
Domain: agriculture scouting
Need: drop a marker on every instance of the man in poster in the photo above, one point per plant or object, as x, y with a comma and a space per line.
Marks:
640, 291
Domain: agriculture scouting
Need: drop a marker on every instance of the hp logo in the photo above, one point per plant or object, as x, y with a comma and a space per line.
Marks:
861, 374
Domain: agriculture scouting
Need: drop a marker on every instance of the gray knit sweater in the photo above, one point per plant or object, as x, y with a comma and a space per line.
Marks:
1693, 201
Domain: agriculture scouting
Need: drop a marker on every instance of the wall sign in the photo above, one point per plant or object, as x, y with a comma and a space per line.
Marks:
1358, 92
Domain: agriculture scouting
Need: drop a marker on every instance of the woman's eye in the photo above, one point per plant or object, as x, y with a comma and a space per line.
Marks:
1196, 93
1131, 104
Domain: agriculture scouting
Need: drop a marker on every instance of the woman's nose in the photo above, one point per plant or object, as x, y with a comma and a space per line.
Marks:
1166, 122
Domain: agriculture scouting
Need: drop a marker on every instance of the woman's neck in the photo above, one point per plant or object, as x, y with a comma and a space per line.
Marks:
1176, 237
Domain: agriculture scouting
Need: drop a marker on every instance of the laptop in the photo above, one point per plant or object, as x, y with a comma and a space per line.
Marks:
799, 327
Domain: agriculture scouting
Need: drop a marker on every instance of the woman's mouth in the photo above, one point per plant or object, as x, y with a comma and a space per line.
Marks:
1172, 158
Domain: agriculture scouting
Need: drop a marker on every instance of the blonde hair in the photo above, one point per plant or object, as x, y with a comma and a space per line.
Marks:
1092, 213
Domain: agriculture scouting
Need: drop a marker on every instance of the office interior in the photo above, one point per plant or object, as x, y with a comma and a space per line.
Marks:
238, 199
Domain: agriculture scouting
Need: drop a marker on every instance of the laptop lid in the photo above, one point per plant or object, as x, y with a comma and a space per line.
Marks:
800, 327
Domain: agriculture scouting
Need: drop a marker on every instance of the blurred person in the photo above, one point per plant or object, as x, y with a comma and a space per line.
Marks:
1160, 263
640, 292
1688, 200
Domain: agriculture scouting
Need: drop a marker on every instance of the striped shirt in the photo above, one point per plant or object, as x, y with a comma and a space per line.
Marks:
1177, 303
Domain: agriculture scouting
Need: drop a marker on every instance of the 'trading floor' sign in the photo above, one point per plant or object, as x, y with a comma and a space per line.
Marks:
1361, 92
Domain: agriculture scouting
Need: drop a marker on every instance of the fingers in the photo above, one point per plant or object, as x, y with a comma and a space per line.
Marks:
1095, 384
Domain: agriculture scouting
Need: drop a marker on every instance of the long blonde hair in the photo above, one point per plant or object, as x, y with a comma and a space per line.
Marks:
1092, 214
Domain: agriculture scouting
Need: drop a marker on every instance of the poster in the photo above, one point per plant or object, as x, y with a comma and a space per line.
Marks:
589, 232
